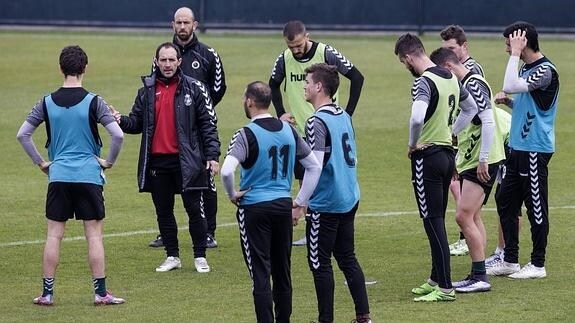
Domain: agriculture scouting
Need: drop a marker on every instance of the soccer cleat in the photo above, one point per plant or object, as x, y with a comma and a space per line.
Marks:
211, 241
459, 248
47, 300
462, 282
529, 271
300, 242
156, 243
502, 268
472, 284
109, 299
201, 265
424, 289
437, 296
169, 264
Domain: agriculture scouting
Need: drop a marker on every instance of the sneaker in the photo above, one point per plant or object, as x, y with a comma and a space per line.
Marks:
424, 289
459, 248
201, 265
156, 243
472, 284
211, 241
503, 268
47, 300
169, 264
109, 299
529, 271
300, 242
436, 296
493, 260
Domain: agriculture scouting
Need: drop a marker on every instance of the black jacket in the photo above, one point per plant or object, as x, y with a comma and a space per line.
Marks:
204, 64
196, 129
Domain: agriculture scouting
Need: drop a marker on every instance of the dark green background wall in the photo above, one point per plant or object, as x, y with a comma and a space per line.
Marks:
478, 15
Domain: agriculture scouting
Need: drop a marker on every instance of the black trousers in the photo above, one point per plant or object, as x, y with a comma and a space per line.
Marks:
431, 171
327, 234
265, 238
211, 204
524, 181
165, 186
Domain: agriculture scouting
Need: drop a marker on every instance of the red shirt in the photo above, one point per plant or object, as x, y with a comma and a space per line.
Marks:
165, 139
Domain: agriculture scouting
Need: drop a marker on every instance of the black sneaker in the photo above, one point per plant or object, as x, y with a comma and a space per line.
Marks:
211, 241
157, 243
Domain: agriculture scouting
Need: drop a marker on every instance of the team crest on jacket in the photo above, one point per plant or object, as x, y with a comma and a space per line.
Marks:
195, 65
187, 100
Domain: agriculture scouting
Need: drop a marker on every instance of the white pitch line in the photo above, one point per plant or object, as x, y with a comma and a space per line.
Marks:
133, 233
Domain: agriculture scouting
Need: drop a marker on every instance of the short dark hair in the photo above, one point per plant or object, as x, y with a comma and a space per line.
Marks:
260, 93
442, 55
325, 74
530, 33
168, 45
73, 60
454, 32
409, 44
293, 28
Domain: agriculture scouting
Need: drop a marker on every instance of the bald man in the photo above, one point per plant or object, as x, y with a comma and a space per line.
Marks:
204, 64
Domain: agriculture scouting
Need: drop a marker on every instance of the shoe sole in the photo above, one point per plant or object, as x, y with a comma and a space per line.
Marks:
367, 282
538, 277
163, 271
105, 304
479, 290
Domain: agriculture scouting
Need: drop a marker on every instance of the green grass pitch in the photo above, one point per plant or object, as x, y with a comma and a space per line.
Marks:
390, 241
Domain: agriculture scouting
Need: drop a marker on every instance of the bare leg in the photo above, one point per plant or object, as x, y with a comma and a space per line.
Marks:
52, 247
472, 196
93, 232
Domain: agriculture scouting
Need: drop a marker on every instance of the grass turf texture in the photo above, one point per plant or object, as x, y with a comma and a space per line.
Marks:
390, 241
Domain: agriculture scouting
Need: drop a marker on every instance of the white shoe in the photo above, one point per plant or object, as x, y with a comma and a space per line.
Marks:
530, 271
300, 242
472, 285
169, 264
201, 265
494, 259
459, 248
503, 268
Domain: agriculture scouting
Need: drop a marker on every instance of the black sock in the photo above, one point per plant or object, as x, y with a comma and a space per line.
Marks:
47, 286
478, 268
100, 286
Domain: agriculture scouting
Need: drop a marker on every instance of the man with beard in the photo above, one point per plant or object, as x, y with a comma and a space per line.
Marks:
290, 68
436, 92
204, 64
174, 114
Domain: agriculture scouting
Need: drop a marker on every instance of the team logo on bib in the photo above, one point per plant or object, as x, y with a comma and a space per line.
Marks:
187, 100
195, 65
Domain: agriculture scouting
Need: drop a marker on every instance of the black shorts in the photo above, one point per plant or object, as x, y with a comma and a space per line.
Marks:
471, 175
83, 200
